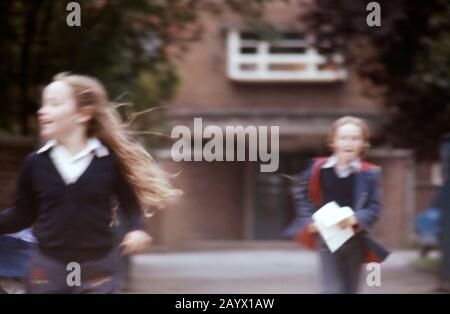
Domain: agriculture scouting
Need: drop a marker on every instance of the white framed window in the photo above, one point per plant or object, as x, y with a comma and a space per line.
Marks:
289, 59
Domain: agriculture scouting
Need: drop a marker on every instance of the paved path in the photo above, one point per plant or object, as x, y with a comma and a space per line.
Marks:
257, 268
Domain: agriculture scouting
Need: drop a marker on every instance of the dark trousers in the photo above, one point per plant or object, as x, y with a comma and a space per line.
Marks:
49, 275
341, 270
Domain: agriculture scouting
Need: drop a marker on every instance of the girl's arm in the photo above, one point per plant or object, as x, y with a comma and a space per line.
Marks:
136, 239
129, 204
368, 215
23, 213
303, 206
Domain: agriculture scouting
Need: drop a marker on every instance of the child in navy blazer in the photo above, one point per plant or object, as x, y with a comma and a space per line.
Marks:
349, 181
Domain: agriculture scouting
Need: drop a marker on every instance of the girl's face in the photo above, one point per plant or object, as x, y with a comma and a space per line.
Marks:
348, 141
59, 115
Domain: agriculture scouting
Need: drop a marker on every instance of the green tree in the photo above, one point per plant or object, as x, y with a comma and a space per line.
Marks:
124, 43
407, 58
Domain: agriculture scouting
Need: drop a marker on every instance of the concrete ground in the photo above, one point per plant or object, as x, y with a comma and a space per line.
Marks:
258, 267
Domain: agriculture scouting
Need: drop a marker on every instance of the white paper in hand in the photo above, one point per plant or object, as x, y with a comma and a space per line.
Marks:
327, 219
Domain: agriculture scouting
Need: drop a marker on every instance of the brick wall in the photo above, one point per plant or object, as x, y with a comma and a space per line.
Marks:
204, 83
212, 206
214, 202
396, 225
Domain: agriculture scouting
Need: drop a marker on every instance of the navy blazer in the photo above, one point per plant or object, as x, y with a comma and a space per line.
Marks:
367, 206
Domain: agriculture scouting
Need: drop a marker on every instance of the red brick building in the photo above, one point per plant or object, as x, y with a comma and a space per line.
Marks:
232, 77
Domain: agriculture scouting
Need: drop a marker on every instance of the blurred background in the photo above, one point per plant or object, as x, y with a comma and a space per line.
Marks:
295, 64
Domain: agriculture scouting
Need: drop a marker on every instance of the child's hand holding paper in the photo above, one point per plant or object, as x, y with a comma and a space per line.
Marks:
348, 222
327, 220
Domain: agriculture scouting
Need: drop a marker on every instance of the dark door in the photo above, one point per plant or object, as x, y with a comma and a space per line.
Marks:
273, 206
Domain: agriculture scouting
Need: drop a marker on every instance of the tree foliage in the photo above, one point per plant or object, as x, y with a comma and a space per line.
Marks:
123, 43
407, 58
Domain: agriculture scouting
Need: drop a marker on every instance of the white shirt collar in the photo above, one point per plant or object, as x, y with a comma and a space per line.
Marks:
353, 166
47, 146
93, 145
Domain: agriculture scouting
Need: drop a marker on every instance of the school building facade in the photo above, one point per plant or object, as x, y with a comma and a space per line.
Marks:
232, 77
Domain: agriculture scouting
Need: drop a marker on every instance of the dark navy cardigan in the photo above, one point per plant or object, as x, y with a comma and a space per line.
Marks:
71, 221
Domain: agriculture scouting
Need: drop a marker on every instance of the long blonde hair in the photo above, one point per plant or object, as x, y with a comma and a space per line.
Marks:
149, 182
